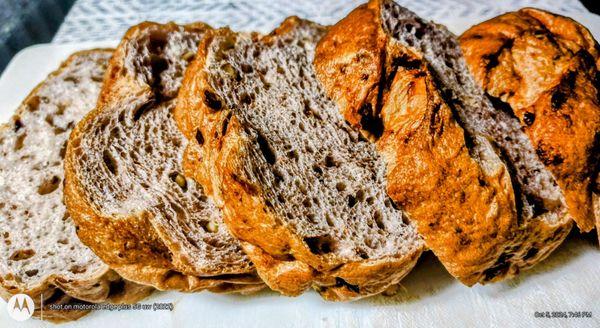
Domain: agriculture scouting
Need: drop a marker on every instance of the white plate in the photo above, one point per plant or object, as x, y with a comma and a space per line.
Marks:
569, 280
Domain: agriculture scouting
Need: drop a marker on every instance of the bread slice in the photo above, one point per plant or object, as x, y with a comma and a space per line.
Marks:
554, 94
40, 254
124, 183
466, 173
299, 187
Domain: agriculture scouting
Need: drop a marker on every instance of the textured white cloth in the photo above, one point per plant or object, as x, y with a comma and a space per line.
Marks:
95, 20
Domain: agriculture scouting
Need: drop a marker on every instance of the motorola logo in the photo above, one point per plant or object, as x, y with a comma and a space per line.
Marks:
20, 307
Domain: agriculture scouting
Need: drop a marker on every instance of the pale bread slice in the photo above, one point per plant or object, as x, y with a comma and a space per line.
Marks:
40, 254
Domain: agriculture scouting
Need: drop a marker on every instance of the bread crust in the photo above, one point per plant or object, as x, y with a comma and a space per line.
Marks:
464, 206
281, 257
545, 68
133, 245
103, 285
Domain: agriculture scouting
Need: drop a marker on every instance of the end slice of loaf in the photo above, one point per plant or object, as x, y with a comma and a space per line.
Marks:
554, 94
465, 172
40, 254
124, 182
302, 190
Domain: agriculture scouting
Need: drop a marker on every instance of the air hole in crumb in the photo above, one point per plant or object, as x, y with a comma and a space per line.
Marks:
317, 169
110, 162
351, 201
320, 245
49, 185
330, 161
142, 109
309, 148
63, 149
158, 65
247, 68
72, 79
302, 127
31, 273
306, 203
22, 254
265, 148
279, 177
340, 186
379, 220
293, 154
246, 99
363, 255
63, 241
405, 219
280, 199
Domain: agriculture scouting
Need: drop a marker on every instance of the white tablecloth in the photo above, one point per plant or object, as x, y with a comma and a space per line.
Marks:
96, 20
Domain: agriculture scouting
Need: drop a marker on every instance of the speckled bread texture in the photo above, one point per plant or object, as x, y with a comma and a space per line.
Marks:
40, 254
124, 183
302, 191
402, 81
543, 68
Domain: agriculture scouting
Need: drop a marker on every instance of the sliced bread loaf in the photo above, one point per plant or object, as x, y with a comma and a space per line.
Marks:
465, 172
124, 185
302, 190
553, 94
40, 254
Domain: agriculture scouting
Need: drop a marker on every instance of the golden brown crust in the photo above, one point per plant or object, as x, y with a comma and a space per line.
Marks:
465, 211
545, 67
281, 258
133, 246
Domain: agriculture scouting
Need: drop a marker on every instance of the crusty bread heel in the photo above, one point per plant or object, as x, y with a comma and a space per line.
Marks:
464, 172
554, 94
